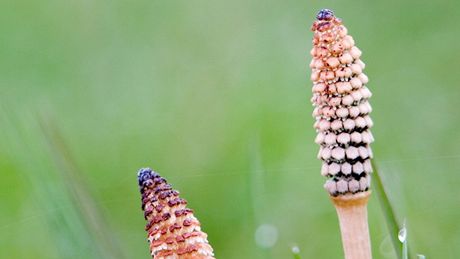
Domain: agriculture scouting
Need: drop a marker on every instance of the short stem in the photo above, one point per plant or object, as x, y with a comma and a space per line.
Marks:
352, 213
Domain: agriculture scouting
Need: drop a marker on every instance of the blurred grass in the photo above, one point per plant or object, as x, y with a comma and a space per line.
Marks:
101, 235
215, 96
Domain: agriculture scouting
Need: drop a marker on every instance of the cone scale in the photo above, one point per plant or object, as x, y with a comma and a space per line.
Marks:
340, 98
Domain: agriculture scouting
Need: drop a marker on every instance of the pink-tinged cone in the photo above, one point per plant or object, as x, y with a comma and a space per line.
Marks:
340, 97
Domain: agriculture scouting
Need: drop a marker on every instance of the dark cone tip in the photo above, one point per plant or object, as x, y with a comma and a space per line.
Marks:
145, 174
325, 14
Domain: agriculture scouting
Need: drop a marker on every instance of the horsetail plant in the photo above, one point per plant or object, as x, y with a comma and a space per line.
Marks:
173, 230
340, 97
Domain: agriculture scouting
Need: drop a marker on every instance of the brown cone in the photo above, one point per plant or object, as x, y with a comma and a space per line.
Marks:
173, 230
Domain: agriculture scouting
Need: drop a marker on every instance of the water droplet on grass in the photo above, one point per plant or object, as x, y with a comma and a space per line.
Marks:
402, 235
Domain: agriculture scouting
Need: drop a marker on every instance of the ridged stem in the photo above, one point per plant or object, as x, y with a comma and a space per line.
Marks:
352, 213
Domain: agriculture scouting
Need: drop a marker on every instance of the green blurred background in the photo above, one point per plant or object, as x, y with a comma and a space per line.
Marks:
215, 96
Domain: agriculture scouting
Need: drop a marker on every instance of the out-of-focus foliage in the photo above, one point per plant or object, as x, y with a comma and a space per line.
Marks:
215, 96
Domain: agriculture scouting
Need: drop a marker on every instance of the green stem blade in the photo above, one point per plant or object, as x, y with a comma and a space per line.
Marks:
388, 211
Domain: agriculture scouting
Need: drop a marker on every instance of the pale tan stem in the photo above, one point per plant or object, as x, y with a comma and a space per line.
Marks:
352, 213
